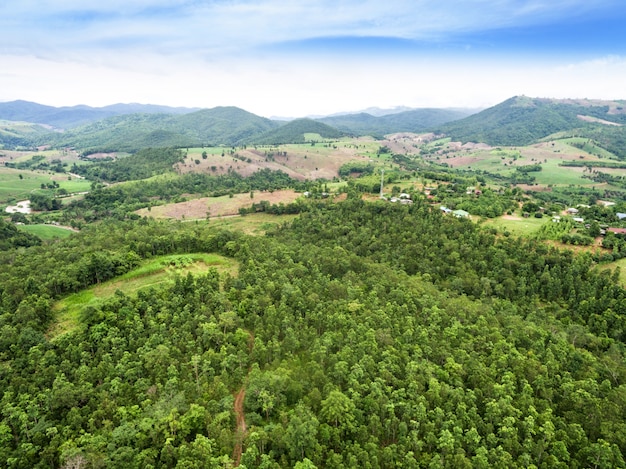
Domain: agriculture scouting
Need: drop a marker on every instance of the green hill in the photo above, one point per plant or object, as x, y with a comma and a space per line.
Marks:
220, 125
417, 120
521, 120
294, 132
223, 125
145, 163
16, 134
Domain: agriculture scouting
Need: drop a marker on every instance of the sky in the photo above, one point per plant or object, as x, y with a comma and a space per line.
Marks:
280, 58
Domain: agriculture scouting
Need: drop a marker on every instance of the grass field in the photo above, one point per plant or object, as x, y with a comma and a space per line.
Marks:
253, 224
46, 232
155, 272
14, 188
516, 226
588, 147
557, 175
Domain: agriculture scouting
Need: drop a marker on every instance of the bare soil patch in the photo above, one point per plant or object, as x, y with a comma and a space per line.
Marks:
298, 161
241, 429
463, 160
217, 206
99, 156
597, 120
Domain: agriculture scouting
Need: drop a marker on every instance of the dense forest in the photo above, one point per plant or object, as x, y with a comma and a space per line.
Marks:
363, 334
12, 237
351, 331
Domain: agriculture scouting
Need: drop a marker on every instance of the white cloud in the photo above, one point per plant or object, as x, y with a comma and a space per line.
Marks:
208, 53
172, 26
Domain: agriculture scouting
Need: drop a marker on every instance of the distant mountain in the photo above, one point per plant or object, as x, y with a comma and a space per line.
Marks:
379, 112
224, 125
522, 120
416, 120
217, 126
516, 121
294, 132
69, 117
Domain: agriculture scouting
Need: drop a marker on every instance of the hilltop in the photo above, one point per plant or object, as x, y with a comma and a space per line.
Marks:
522, 120
130, 127
517, 121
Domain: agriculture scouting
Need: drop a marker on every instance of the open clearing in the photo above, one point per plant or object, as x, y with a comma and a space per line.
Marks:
299, 161
549, 155
252, 224
217, 206
47, 232
516, 226
154, 272
17, 184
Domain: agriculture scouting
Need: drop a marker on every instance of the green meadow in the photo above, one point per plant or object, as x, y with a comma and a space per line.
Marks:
46, 232
18, 184
253, 224
516, 226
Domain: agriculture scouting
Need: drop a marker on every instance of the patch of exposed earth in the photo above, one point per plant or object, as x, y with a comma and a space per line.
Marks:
217, 206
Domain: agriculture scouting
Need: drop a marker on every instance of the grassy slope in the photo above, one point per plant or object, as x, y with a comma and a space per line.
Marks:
522, 121
154, 272
14, 188
46, 232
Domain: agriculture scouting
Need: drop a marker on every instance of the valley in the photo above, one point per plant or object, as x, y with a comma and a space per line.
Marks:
210, 288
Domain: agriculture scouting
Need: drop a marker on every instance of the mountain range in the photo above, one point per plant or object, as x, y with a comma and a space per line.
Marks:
128, 127
72, 116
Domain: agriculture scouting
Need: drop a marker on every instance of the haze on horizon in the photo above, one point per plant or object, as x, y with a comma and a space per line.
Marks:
278, 58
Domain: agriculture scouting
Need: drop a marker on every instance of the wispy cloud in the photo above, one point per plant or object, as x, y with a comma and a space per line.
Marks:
316, 55
220, 25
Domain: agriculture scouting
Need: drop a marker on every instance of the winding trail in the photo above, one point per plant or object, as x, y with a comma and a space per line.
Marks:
241, 428
240, 432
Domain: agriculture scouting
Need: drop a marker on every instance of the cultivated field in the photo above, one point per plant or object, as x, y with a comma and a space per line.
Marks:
47, 232
300, 161
17, 184
255, 224
550, 155
217, 206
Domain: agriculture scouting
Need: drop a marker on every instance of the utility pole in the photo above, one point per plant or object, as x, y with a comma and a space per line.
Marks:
382, 178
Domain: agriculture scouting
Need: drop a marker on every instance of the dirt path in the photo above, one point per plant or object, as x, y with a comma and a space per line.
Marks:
241, 429
241, 426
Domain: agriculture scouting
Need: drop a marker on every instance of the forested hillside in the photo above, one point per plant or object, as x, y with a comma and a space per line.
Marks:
18, 134
360, 335
220, 125
522, 121
416, 120
294, 132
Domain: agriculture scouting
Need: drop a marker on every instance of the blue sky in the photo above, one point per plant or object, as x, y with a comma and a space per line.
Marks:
282, 58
